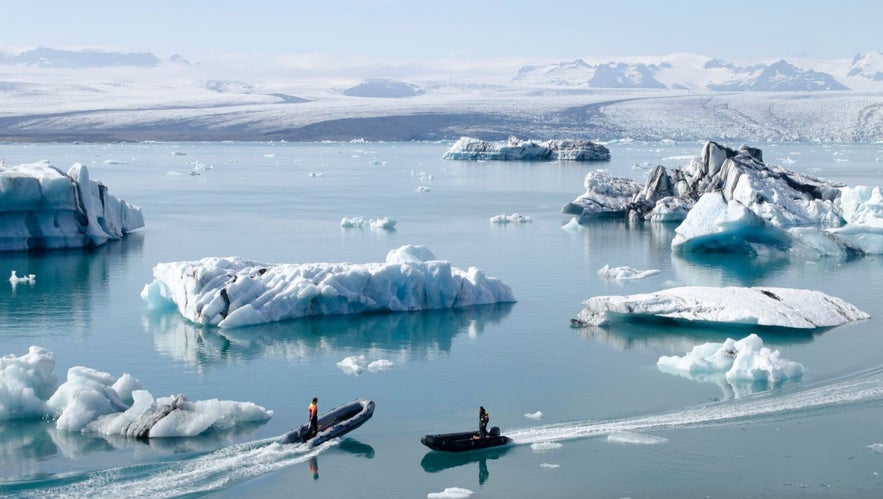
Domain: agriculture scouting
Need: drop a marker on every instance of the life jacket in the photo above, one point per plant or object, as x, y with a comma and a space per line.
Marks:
313, 410
484, 417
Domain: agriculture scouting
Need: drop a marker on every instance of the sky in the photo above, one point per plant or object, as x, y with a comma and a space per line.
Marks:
329, 34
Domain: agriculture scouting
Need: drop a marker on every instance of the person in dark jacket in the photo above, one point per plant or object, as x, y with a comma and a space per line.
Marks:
483, 419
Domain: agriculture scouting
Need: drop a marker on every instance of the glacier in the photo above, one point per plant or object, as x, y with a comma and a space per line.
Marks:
42, 207
233, 292
96, 402
757, 306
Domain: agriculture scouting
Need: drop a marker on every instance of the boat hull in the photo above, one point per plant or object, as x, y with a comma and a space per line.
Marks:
464, 441
334, 423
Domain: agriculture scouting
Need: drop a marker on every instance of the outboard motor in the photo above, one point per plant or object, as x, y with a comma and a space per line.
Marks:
495, 431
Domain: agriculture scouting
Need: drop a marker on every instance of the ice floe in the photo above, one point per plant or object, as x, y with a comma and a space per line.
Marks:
534, 415
515, 149
362, 222
545, 446
450, 493
625, 273
357, 364
737, 363
631, 438
42, 207
91, 401
757, 306
233, 292
514, 218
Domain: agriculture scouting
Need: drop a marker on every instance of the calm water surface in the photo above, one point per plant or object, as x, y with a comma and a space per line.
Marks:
277, 202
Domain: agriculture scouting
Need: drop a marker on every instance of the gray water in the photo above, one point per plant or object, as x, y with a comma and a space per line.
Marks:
673, 437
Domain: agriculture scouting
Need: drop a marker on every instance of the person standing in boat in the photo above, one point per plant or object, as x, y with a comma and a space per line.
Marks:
483, 419
314, 418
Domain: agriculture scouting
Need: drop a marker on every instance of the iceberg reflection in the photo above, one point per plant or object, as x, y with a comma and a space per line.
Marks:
407, 336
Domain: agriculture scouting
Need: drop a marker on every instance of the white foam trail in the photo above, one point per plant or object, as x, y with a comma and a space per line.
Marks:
210, 472
860, 388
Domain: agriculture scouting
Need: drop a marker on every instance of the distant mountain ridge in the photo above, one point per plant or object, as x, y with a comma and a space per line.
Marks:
688, 72
89, 58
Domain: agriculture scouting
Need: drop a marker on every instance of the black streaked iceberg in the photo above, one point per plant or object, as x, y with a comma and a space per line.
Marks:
758, 306
42, 207
730, 201
233, 292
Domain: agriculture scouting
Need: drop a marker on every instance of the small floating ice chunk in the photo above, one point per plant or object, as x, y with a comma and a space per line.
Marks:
549, 466
534, 415
877, 448
357, 364
450, 493
353, 365
624, 273
630, 438
16, 279
514, 218
572, 225
374, 223
423, 188
545, 446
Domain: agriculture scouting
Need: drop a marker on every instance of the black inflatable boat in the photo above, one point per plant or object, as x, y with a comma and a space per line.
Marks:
465, 441
333, 423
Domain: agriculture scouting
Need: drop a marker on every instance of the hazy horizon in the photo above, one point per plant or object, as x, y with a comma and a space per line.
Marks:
486, 38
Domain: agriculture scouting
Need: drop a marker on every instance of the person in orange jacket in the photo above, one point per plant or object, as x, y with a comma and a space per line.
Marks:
314, 418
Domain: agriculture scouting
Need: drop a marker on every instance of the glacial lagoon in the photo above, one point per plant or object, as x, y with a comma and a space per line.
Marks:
591, 413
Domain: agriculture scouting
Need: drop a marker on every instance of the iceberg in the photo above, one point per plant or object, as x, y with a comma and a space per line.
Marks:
234, 292
759, 306
42, 207
729, 200
735, 365
605, 195
95, 402
515, 149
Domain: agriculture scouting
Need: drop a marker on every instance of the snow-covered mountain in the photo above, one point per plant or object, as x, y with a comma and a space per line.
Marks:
682, 72
99, 96
867, 65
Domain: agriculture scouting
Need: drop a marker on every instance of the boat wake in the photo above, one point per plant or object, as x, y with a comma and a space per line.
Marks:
856, 389
228, 466
210, 472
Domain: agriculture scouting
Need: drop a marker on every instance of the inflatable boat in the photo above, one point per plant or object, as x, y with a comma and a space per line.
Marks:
465, 441
334, 423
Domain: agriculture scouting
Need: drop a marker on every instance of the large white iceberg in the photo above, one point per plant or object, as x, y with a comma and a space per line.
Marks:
737, 366
515, 149
760, 306
42, 207
92, 401
234, 292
